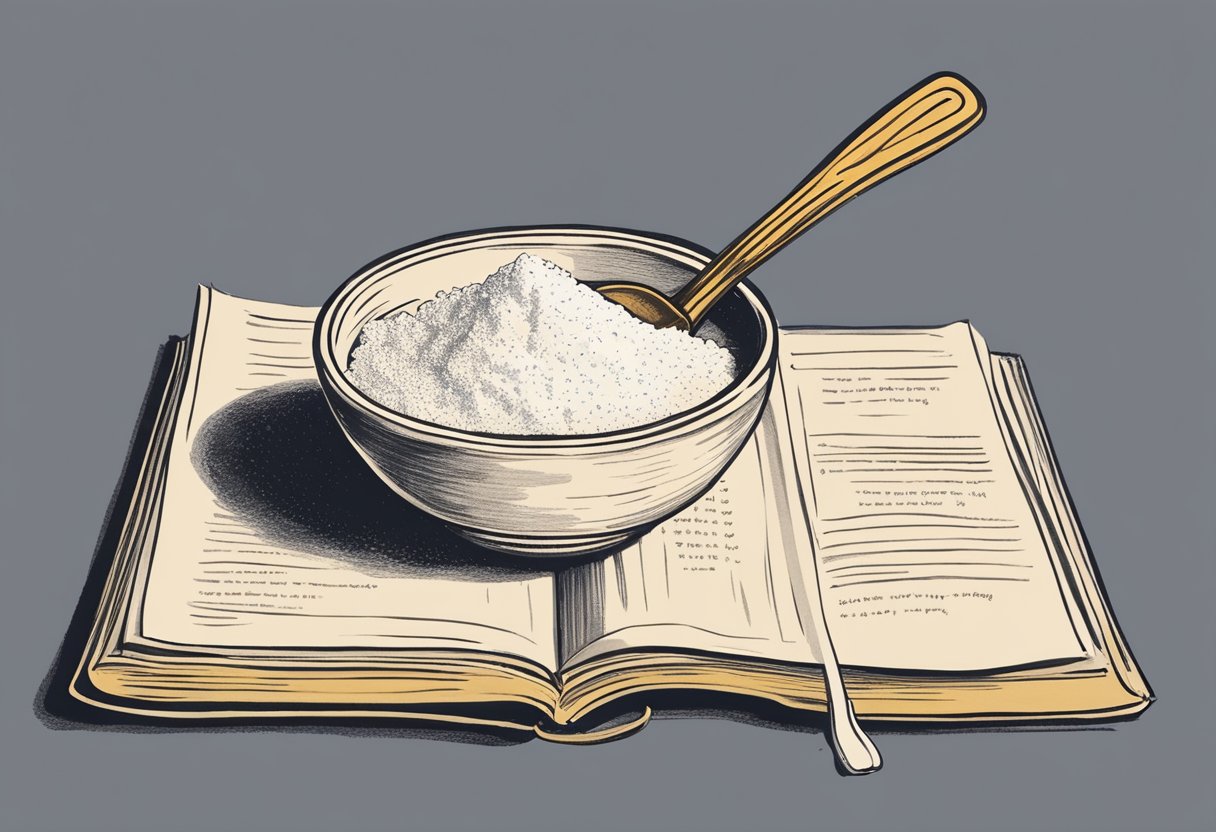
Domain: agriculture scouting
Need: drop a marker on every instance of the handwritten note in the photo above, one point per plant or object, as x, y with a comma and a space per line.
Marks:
928, 554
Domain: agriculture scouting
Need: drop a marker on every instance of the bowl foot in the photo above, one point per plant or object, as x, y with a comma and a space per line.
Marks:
549, 548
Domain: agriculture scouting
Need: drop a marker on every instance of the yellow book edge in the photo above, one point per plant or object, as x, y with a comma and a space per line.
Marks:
492, 692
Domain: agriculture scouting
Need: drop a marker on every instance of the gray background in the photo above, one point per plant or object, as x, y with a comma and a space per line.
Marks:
273, 148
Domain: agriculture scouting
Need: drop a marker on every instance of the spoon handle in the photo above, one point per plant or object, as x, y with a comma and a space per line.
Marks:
927, 118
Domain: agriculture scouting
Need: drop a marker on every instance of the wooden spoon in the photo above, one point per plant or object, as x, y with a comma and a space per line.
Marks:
927, 118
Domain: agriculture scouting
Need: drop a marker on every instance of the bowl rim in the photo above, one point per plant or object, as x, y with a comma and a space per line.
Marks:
331, 371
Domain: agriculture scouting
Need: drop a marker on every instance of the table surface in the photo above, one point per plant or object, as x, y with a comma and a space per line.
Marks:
272, 148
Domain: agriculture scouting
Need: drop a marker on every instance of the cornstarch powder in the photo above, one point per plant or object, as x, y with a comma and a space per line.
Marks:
533, 351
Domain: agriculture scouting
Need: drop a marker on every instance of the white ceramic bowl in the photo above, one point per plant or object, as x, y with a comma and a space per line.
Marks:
547, 495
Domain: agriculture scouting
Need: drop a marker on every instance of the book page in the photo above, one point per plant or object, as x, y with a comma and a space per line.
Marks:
723, 576
274, 533
1036, 464
929, 555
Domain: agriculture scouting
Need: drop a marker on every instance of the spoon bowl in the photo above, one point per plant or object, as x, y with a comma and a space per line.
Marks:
645, 303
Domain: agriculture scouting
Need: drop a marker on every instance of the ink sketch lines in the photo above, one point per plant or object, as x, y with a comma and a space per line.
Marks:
900, 360
269, 362
225, 535
876, 384
916, 550
904, 463
281, 348
911, 483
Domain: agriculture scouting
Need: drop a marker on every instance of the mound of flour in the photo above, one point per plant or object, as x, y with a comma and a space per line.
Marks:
533, 351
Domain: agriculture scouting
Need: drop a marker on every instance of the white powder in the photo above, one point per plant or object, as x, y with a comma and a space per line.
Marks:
533, 351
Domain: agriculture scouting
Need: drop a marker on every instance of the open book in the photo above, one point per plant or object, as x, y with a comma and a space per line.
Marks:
898, 514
